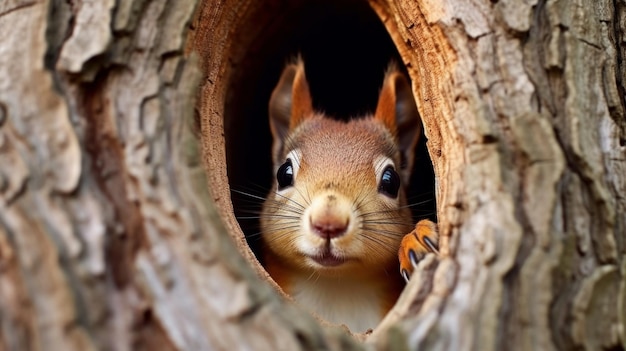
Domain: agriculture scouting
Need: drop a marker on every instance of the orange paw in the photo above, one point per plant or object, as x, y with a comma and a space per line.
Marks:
415, 245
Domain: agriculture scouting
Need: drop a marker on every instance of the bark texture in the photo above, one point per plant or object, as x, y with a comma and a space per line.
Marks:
523, 105
110, 238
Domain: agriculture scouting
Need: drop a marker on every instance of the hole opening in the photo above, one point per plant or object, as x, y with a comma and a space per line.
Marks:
346, 50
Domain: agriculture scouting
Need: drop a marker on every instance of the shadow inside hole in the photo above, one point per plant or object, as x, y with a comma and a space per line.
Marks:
346, 50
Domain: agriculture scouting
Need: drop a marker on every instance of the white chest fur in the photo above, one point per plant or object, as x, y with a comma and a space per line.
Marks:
340, 301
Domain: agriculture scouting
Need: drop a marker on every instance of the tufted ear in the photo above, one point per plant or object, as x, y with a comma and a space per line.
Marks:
396, 109
290, 104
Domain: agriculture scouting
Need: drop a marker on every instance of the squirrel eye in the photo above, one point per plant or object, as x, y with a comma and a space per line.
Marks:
285, 175
389, 182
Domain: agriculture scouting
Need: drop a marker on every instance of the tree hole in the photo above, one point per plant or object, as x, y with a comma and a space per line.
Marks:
346, 50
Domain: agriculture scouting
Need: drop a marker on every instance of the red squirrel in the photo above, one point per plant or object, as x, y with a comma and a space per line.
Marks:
333, 226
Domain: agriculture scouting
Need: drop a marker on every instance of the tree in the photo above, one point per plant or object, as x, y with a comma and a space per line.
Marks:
110, 237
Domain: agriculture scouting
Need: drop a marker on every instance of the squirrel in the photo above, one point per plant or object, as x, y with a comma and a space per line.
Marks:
333, 225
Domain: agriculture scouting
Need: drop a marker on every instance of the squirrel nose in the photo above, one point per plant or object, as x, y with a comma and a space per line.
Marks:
329, 215
329, 227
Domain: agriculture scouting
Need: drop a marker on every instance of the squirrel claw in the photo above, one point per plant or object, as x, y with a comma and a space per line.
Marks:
405, 275
414, 258
415, 245
432, 246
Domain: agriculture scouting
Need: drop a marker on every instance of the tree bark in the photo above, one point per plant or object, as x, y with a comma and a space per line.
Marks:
110, 237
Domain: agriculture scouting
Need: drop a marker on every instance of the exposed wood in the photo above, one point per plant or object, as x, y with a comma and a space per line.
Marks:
526, 211
111, 239
528, 159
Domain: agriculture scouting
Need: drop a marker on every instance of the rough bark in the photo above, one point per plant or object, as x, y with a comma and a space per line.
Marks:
110, 237
523, 105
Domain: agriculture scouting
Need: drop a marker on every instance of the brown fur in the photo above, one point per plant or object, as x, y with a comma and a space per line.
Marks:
337, 181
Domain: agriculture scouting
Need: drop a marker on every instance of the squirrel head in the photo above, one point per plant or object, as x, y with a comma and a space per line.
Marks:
338, 200
291, 104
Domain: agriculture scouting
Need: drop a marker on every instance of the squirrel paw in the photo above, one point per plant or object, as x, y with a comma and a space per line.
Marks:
415, 245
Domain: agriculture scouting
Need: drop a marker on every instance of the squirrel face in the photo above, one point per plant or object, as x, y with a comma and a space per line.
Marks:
334, 219
338, 202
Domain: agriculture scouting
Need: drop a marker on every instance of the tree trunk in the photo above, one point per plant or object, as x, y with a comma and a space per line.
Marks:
111, 239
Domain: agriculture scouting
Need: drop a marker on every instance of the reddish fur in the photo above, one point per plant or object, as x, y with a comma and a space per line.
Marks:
415, 241
301, 106
386, 108
337, 160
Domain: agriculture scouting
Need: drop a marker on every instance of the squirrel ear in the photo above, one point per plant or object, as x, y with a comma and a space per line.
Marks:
396, 109
290, 103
